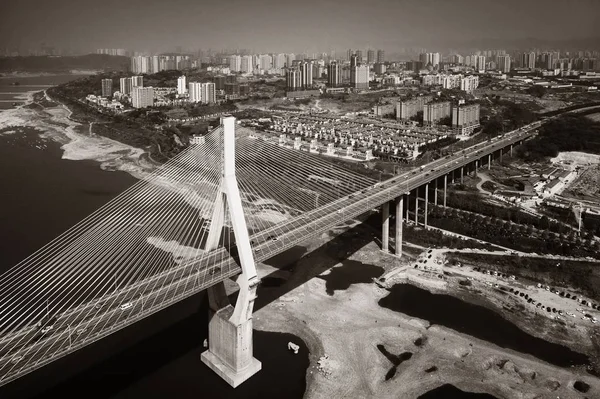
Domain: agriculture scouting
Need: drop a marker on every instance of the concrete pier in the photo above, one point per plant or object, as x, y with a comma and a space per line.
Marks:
385, 226
417, 207
445, 188
426, 203
230, 353
399, 206
489, 161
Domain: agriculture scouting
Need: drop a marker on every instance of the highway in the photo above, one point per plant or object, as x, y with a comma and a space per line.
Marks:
28, 349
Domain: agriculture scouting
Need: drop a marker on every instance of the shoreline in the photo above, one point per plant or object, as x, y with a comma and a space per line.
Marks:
342, 332
24, 75
55, 123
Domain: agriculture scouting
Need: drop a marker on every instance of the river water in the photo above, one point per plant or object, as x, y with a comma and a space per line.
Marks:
51, 178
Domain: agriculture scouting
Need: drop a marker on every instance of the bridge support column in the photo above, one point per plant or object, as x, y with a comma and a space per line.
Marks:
445, 188
399, 209
476, 166
511, 146
230, 348
462, 173
500, 155
426, 203
385, 226
489, 161
416, 206
435, 193
407, 206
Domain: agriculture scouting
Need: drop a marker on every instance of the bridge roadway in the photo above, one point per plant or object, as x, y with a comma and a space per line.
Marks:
27, 350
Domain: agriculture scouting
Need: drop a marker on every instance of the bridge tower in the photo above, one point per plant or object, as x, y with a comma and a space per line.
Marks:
230, 350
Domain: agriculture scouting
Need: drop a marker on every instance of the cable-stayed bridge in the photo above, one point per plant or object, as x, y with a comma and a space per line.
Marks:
207, 215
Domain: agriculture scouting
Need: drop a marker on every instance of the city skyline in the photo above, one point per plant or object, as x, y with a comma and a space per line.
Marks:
276, 26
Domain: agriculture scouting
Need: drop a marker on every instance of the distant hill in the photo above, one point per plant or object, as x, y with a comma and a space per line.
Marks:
63, 64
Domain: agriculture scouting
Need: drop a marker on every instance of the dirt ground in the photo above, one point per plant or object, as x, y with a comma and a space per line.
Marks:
587, 185
344, 326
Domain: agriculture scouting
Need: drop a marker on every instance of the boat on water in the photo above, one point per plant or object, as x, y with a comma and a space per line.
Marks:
15, 84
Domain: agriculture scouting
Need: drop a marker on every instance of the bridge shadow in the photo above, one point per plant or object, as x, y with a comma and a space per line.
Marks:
160, 355
290, 272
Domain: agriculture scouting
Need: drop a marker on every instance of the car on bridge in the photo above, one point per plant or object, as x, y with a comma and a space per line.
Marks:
47, 329
126, 306
46, 321
17, 359
272, 238
214, 270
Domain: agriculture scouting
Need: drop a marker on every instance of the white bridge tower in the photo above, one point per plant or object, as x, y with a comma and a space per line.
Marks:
230, 351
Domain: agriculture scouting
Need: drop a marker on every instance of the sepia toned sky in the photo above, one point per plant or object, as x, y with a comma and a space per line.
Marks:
282, 25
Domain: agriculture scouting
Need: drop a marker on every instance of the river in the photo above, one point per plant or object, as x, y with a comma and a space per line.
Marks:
52, 177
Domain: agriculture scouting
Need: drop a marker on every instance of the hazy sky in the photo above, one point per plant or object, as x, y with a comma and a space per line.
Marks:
281, 25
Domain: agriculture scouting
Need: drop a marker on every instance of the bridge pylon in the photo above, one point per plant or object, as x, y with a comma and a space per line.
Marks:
230, 348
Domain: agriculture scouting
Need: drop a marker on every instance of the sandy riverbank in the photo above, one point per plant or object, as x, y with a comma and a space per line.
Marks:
54, 123
348, 326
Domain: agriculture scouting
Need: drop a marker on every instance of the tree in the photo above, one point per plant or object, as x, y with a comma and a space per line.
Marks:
537, 91
544, 222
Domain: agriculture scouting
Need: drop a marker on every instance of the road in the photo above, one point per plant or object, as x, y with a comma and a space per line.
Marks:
27, 350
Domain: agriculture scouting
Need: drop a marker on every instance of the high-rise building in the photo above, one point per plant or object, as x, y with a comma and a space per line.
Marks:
370, 56
195, 92
379, 68
279, 61
155, 64
141, 64
407, 109
479, 63
290, 58
125, 85
503, 62
181, 85
306, 74
219, 82
457, 59
349, 54
465, 118
246, 64
353, 60
142, 97
432, 59
469, 83
434, 112
137, 81
265, 62
359, 56
208, 93
293, 80
333, 74
359, 77
106, 87
235, 63
451, 81
528, 60
380, 56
